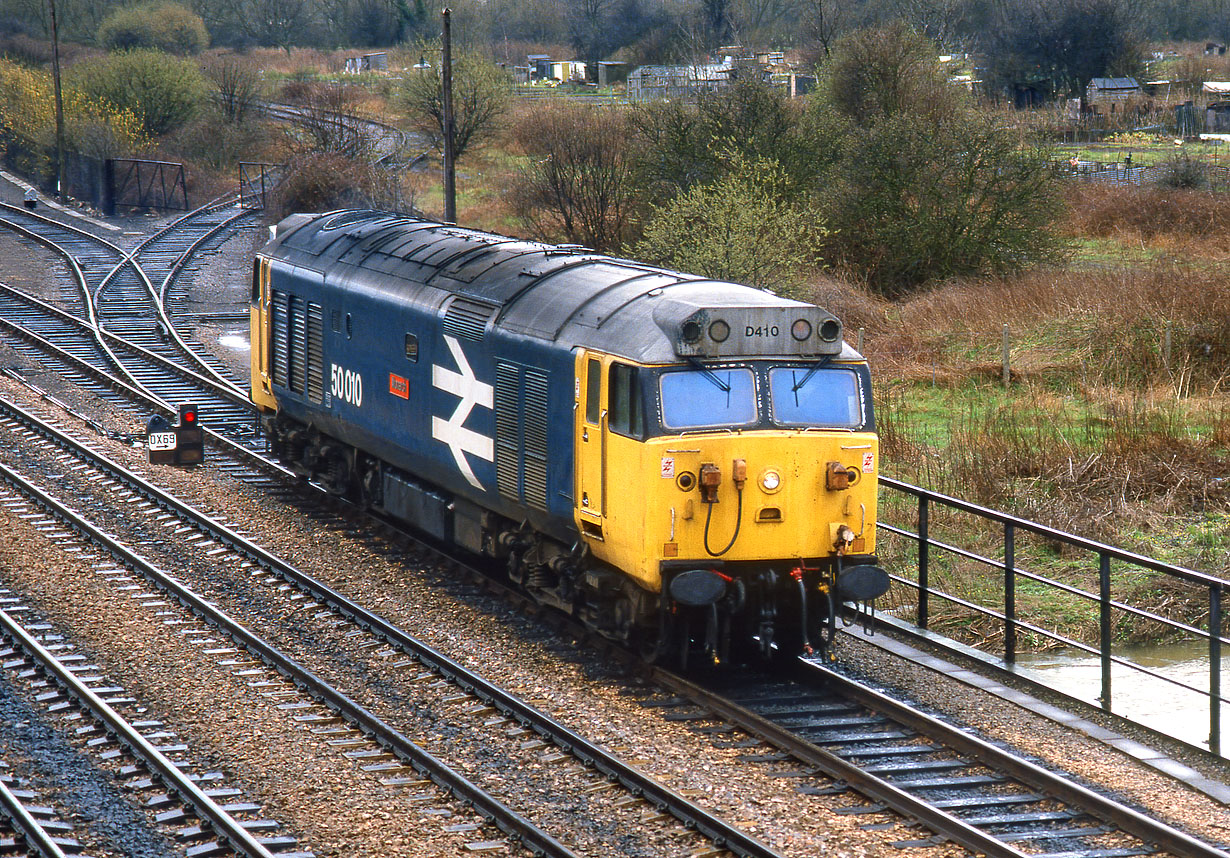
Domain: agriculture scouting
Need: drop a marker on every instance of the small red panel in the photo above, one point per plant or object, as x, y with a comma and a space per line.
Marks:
399, 386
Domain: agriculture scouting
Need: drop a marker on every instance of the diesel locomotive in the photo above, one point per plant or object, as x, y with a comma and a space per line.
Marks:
688, 466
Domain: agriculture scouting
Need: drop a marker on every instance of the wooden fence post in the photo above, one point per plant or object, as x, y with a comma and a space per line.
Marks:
1007, 350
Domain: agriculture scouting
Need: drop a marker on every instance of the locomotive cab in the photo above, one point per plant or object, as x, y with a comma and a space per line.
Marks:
737, 487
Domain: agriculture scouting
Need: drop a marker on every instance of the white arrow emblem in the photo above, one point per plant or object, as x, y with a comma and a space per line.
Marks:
453, 431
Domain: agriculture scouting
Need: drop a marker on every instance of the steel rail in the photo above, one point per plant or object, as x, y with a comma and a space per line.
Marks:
91, 310
230, 392
131, 259
691, 814
868, 785
27, 827
226, 387
1125, 818
208, 809
492, 808
161, 300
139, 396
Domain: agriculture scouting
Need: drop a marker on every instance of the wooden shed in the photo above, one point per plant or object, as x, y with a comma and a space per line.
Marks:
1108, 95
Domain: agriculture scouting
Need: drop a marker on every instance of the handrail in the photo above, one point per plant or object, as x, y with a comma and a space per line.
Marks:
1217, 589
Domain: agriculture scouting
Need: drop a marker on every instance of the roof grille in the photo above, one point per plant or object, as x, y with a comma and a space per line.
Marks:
467, 319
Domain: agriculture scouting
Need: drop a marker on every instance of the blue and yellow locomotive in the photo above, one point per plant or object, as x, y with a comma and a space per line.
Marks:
689, 466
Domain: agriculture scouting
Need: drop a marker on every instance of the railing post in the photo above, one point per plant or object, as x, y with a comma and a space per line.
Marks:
1104, 630
1009, 593
923, 556
1215, 669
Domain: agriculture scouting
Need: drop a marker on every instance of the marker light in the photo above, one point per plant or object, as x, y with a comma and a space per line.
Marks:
770, 481
801, 329
719, 331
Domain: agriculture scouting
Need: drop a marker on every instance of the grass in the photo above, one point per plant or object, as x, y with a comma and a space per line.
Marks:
1103, 432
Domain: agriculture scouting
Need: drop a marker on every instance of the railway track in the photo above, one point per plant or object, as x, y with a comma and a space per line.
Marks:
895, 757
117, 298
34, 828
478, 704
962, 790
196, 806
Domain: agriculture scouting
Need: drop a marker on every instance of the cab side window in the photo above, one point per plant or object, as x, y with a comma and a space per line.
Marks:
593, 390
627, 414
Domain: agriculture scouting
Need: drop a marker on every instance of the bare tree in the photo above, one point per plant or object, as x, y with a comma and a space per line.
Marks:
327, 122
481, 95
279, 23
822, 21
579, 182
238, 84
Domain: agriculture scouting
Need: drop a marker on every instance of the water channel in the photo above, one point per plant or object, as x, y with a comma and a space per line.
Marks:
1154, 702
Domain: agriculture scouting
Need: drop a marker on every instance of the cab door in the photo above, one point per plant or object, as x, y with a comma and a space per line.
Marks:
591, 415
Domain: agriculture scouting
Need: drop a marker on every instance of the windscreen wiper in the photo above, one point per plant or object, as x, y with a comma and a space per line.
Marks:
723, 386
815, 367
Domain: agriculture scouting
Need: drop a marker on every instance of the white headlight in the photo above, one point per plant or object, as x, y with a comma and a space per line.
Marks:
770, 481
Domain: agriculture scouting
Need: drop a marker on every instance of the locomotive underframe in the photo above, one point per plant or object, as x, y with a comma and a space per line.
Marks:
745, 612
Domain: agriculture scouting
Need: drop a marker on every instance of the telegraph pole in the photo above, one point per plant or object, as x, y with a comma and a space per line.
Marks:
450, 169
55, 67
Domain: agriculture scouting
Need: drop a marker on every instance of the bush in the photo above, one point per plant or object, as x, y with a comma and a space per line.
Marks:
912, 203
27, 121
322, 181
741, 227
163, 91
161, 26
578, 183
1184, 173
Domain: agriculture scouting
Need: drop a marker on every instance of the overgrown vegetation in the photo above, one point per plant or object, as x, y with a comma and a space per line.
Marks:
161, 26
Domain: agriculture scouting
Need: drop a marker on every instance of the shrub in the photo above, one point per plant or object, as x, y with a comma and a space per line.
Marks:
578, 182
1184, 173
741, 227
161, 26
912, 203
321, 181
162, 90
27, 121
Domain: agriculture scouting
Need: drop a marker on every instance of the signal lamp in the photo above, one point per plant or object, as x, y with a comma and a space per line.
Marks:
770, 481
719, 331
801, 329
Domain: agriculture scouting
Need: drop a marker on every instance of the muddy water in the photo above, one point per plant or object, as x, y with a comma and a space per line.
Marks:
1153, 702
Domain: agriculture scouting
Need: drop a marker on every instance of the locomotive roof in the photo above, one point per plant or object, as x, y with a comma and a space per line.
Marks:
563, 293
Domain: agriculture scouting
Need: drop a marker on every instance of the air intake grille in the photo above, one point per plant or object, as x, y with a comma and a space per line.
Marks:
280, 337
315, 353
521, 433
298, 338
467, 319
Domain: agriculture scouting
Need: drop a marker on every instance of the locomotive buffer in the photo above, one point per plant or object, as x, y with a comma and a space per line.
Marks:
180, 444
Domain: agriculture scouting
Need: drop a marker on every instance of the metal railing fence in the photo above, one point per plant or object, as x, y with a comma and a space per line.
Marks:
1006, 616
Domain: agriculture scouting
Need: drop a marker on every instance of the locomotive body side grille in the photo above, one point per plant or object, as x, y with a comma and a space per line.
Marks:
521, 434
534, 450
507, 430
315, 353
280, 338
298, 337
